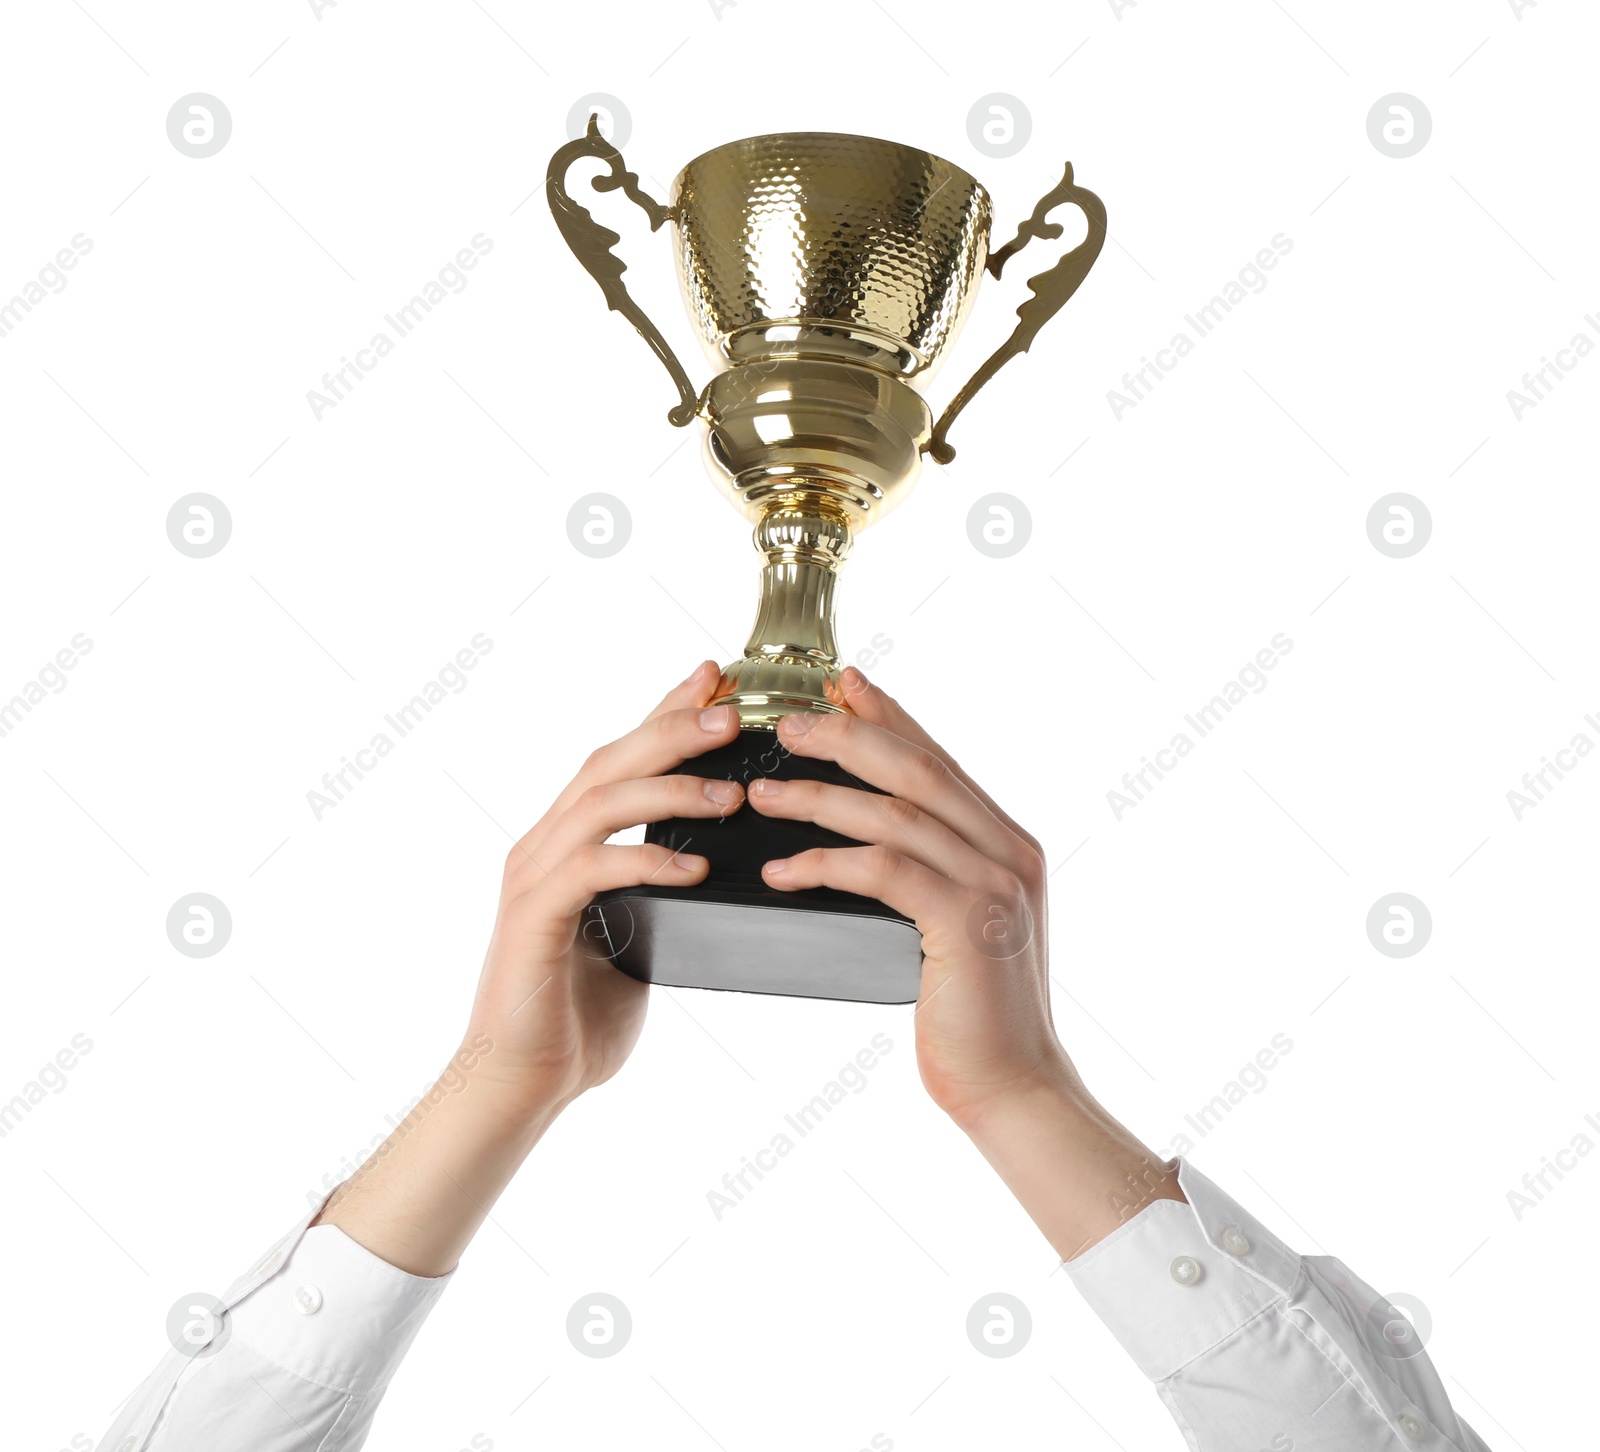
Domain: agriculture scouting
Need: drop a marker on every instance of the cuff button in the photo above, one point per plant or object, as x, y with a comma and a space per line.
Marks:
1186, 1270
1235, 1241
1411, 1426
307, 1300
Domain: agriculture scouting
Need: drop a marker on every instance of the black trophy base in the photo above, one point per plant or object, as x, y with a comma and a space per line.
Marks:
734, 932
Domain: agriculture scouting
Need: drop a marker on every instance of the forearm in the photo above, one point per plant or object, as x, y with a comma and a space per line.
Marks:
421, 1197
1077, 1172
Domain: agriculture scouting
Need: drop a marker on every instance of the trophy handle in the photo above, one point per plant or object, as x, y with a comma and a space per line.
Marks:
591, 244
1050, 292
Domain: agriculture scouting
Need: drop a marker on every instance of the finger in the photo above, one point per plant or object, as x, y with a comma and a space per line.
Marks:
656, 745
615, 806
907, 770
693, 690
873, 703
883, 821
601, 868
878, 872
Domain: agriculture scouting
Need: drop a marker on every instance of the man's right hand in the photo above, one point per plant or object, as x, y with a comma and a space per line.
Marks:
561, 1018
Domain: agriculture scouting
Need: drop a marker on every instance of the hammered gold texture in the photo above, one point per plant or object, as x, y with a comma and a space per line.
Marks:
812, 226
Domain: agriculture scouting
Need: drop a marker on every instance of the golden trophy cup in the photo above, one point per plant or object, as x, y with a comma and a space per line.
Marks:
826, 276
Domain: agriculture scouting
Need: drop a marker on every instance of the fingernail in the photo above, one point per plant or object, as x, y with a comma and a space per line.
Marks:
777, 866
801, 723
724, 793
688, 862
716, 718
766, 786
852, 680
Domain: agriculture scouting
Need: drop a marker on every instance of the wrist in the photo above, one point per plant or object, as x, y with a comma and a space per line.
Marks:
1077, 1172
505, 1079
504, 1102
1049, 1087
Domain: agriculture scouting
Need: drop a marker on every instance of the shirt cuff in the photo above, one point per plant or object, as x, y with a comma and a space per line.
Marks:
334, 1313
1177, 1279
316, 1304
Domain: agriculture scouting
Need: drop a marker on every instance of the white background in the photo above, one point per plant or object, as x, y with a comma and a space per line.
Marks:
370, 144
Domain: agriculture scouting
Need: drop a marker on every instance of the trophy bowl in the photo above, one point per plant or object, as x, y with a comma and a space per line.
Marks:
881, 243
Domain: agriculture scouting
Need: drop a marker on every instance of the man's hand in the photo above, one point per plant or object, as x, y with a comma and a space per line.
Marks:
552, 1017
561, 1017
942, 851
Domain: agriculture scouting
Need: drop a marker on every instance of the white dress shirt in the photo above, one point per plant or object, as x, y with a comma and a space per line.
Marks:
1251, 1347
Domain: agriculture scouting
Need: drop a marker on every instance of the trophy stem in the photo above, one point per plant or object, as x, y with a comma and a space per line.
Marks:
791, 661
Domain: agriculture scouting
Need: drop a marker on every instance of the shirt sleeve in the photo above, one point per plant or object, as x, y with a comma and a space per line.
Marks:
1253, 1346
294, 1357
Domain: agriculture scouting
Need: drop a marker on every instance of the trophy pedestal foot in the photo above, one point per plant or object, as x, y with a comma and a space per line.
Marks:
759, 941
732, 931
